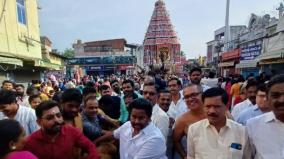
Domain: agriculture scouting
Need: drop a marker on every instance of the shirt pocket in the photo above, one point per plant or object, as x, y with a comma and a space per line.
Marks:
235, 154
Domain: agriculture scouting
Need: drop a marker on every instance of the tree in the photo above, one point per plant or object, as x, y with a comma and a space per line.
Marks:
182, 53
69, 53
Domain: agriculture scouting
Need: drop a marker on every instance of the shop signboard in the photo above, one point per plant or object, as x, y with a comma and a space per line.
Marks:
250, 52
92, 60
110, 67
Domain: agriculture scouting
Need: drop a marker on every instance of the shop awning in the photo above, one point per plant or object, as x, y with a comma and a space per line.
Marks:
271, 61
12, 61
247, 64
226, 64
272, 55
46, 64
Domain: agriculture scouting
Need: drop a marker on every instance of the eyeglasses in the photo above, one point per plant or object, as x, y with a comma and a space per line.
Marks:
192, 95
52, 116
261, 96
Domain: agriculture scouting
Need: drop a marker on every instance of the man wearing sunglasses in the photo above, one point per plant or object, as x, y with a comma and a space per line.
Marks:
54, 139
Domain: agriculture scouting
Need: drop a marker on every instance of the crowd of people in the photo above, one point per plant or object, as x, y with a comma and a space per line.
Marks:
144, 117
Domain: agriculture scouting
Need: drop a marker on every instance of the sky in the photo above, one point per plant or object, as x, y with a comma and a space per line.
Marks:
65, 21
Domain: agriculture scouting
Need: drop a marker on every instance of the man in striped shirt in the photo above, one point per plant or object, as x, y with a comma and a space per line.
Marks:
10, 109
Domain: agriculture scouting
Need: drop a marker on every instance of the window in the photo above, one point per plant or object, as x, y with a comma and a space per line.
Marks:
21, 9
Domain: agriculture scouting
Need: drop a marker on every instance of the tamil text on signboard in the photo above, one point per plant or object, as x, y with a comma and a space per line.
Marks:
250, 52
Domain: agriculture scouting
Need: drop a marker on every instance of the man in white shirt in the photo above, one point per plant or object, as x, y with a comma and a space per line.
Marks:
159, 117
266, 132
178, 106
10, 109
164, 101
216, 137
251, 89
195, 78
211, 81
139, 138
22, 98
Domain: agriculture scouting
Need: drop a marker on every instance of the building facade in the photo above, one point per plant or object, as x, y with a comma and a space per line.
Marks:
251, 44
216, 49
102, 58
229, 60
52, 62
271, 60
20, 46
257, 48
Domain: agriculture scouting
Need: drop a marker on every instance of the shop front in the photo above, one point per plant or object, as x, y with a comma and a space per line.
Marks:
273, 66
94, 70
229, 61
103, 65
272, 59
122, 69
248, 68
248, 58
227, 68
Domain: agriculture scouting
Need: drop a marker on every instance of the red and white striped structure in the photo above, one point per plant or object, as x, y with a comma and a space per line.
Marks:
161, 38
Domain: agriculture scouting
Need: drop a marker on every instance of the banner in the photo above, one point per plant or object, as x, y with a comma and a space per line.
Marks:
250, 52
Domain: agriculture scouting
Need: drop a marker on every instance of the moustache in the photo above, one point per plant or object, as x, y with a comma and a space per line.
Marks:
57, 124
137, 125
279, 105
213, 115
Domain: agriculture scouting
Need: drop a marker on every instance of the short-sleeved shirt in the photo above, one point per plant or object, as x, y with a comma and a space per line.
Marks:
176, 110
26, 117
62, 147
266, 136
91, 127
204, 142
149, 143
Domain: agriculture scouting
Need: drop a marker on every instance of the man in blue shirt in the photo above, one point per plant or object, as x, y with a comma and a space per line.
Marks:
259, 108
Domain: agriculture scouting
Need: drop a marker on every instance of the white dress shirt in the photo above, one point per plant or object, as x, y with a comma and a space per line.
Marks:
176, 110
148, 144
204, 142
205, 87
241, 107
24, 101
161, 120
26, 117
210, 82
266, 135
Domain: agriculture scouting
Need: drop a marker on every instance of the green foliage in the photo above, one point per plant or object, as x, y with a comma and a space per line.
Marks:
69, 53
